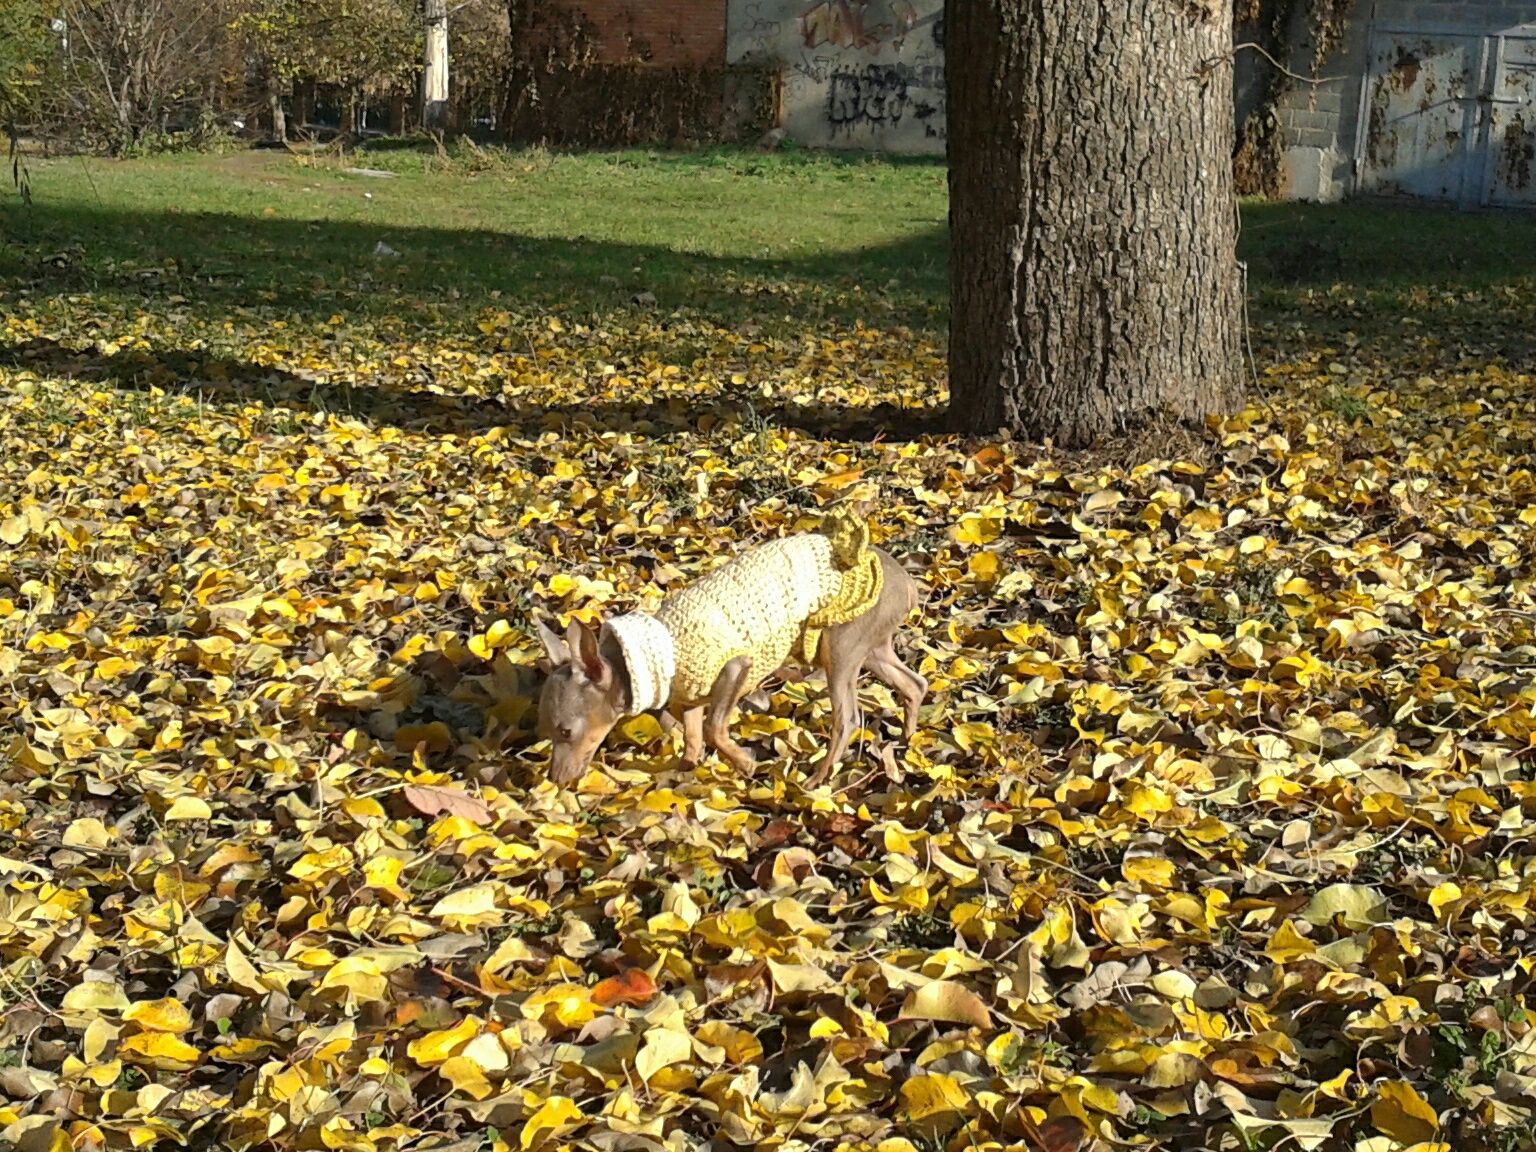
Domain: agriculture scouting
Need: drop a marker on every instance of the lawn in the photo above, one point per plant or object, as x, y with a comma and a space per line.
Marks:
720, 233
1217, 831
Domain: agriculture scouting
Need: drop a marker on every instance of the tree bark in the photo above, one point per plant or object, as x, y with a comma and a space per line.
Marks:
275, 110
1093, 268
303, 103
434, 66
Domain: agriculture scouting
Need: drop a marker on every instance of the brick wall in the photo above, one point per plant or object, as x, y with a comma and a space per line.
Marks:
626, 73
667, 33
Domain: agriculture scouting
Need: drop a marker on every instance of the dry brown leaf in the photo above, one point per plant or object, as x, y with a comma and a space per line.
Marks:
948, 1002
430, 800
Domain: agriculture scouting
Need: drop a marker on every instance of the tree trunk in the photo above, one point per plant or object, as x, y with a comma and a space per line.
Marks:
275, 108
1093, 268
434, 66
303, 103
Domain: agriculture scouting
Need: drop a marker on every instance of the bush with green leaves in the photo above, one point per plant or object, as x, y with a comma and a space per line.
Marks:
25, 55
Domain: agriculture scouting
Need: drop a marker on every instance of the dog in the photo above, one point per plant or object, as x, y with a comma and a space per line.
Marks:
826, 600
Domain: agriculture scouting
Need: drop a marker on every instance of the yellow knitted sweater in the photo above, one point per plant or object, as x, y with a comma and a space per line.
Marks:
769, 603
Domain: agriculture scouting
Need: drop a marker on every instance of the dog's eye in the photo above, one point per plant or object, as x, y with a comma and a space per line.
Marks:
563, 733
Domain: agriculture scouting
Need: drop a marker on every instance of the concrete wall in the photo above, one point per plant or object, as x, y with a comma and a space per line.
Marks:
869, 74
1322, 125
863, 74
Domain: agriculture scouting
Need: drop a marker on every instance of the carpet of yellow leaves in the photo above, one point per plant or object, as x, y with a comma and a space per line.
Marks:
1216, 833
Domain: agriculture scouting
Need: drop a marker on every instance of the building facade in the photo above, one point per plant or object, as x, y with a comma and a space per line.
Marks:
1432, 101
1421, 99
862, 74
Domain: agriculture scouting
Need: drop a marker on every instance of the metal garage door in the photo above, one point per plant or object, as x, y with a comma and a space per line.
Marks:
1449, 116
1417, 118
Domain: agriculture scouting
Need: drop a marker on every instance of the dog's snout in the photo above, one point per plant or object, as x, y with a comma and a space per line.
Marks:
568, 760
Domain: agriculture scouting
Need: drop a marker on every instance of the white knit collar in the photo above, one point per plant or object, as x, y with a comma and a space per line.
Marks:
649, 656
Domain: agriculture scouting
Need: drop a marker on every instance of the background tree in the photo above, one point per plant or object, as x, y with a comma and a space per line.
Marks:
25, 54
131, 67
276, 34
370, 46
481, 51
25, 48
1094, 277
356, 46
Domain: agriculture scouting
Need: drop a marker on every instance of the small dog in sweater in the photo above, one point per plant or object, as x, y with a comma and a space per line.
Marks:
826, 600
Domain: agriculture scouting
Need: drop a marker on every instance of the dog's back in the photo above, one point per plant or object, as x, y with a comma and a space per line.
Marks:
756, 606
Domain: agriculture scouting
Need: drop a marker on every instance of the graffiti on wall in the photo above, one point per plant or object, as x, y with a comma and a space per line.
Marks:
863, 26
855, 73
883, 95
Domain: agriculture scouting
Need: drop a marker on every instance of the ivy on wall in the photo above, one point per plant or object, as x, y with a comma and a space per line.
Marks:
1301, 34
569, 83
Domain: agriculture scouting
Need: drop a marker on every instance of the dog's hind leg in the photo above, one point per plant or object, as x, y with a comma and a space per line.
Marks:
866, 642
907, 684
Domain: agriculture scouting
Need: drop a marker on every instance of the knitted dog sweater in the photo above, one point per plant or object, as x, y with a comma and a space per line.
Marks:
769, 603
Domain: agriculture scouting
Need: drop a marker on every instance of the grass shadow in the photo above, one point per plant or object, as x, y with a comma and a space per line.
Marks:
447, 276
443, 274
1368, 246
817, 244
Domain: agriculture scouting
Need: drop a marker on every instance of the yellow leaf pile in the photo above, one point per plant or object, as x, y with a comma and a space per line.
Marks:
1216, 833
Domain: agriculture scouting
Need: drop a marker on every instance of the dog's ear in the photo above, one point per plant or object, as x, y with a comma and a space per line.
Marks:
556, 654
582, 642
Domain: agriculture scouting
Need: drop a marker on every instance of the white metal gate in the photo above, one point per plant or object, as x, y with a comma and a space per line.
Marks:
1449, 116
1415, 117
1511, 149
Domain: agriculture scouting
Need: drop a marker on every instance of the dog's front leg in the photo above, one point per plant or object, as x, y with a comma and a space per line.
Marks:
693, 737
731, 685
692, 725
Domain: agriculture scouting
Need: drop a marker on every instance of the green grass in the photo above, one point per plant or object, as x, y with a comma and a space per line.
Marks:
1388, 254
787, 239
734, 235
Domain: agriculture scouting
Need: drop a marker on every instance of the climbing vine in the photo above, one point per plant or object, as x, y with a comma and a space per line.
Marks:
567, 82
1285, 30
